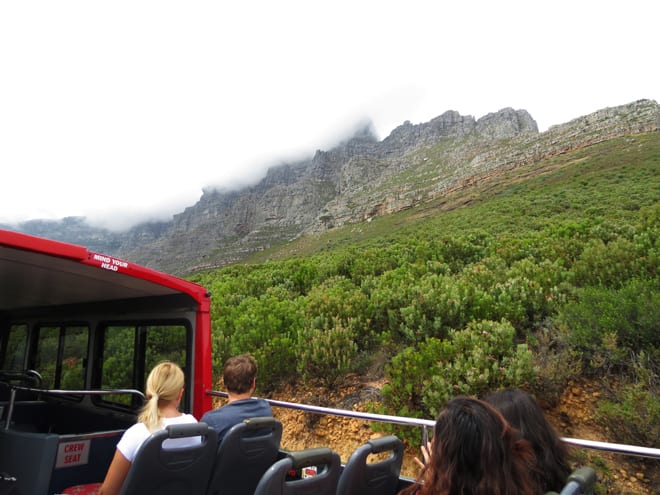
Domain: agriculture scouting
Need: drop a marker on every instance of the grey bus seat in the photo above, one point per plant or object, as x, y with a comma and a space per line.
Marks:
29, 457
378, 478
275, 480
174, 471
247, 450
7, 484
582, 481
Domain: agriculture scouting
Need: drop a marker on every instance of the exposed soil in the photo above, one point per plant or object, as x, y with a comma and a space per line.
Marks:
573, 417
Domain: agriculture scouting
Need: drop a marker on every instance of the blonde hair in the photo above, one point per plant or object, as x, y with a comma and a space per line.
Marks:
164, 384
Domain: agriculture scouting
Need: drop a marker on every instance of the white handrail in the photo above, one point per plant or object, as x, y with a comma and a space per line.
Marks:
427, 423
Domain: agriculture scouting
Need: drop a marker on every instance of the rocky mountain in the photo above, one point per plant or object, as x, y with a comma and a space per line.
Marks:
356, 180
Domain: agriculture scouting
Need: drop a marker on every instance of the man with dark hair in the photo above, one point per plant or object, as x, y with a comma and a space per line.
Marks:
240, 379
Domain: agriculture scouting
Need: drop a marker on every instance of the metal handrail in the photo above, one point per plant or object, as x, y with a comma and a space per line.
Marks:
56, 391
615, 448
427, 424
13, 388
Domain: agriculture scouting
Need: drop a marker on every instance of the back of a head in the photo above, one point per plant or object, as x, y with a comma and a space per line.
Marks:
164, 384
165, 381
523, 412
239, 373
475, 452
520, 409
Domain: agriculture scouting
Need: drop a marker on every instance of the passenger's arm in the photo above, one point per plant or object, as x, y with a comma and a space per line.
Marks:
116, 475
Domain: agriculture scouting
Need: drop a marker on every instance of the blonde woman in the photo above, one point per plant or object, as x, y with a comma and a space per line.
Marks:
164, 391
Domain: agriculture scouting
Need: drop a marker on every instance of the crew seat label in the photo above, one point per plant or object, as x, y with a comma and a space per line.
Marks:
72, 454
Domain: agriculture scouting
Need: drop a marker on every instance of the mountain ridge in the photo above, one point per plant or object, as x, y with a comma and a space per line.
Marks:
356, 180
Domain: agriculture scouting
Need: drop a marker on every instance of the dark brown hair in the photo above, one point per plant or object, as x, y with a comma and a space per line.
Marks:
524, 413
475, 452
239, 373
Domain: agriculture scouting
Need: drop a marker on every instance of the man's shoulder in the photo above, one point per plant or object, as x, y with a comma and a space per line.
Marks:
212, 413
236, 407
254, 403
263, 403
223, 410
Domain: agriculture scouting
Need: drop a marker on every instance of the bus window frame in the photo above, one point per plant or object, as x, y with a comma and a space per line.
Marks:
62, 326
139, 362
5, 331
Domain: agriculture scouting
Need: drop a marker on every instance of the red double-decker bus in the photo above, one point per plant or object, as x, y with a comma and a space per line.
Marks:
79, 332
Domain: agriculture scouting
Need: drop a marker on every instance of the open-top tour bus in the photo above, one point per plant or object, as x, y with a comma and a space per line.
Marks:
79, 332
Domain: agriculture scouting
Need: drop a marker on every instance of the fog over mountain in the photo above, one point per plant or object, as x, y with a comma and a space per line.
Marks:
351, 182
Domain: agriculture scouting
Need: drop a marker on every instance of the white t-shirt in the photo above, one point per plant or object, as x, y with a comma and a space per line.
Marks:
138, 433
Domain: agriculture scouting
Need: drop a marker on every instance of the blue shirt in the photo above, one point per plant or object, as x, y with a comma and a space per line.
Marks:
223, 418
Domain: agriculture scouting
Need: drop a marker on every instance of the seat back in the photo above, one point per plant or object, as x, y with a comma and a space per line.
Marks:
377, 478
582, 481
173, 471
276, 482
247, 450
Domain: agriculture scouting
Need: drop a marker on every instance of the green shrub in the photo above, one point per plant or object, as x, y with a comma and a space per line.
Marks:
277, 358
266, 327
473, 361
336, 298
607, 325
609, 265
482, 357
459, 251
633, 417
556, 362
326, 355
407, 376
437, 303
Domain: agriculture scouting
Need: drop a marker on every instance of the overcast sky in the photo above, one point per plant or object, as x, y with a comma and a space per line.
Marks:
123, 111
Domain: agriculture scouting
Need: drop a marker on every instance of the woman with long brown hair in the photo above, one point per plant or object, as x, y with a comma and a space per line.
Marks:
523, 413
474, 451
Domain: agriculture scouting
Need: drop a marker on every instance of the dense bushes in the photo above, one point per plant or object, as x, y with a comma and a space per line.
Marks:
304, 321
468, 300
482, 357
608, 326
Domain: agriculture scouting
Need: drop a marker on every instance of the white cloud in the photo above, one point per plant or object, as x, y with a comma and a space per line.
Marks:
128, 109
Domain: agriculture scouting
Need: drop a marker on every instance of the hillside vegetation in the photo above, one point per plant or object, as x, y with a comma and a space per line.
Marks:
530, 277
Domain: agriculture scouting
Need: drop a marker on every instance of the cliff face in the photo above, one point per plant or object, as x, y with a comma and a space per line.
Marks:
358, 179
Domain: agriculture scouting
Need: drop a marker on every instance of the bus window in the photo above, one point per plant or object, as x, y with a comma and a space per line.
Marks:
118, 358
46, 358
73, 358
130, 352
14, 355
166, 343
60, 357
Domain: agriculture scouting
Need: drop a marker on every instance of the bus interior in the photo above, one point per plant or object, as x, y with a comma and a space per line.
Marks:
79, 331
